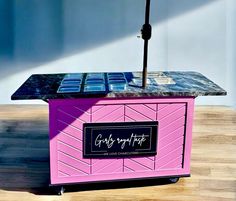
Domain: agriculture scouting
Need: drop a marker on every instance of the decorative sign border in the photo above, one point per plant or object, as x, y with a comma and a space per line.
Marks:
122, 139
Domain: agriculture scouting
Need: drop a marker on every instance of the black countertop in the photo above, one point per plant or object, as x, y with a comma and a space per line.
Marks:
181, 84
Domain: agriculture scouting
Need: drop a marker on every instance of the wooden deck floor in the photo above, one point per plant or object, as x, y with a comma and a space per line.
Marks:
24, 161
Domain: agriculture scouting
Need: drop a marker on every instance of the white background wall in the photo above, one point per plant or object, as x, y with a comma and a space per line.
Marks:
51, 36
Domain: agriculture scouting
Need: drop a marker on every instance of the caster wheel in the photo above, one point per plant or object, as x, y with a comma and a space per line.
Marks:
174, 180
60, 190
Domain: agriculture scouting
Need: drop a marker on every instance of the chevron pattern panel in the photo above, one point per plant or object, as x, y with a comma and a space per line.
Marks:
70, 121
171, 118
69, 138
140, 112
107, 113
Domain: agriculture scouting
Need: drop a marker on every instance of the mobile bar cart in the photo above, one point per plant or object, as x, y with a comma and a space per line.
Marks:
119, 126
82, 122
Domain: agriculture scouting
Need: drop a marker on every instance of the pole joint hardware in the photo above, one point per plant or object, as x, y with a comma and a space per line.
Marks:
146, 32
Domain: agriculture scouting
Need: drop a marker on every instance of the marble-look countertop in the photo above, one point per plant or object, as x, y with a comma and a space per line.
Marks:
45, 86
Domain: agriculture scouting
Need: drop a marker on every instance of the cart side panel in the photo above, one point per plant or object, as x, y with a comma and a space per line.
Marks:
66, 128
101, 114
66, 131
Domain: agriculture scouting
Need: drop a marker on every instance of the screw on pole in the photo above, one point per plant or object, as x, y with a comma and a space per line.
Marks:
146, 36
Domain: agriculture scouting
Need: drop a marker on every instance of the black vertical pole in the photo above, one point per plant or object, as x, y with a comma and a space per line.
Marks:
146, 35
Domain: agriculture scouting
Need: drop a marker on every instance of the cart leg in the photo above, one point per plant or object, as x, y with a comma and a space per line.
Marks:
174, 180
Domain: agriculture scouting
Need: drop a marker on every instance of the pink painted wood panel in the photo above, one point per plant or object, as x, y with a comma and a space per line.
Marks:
107, 113
140, 112
168, 140
66, 138
171, 118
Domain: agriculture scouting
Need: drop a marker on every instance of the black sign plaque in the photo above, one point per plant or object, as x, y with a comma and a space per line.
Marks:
112, 140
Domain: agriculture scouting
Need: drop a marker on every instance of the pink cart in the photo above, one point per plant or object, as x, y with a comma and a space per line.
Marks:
119, 126
172, 160
162, 114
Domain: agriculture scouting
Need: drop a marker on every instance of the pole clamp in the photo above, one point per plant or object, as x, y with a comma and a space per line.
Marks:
146, 32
